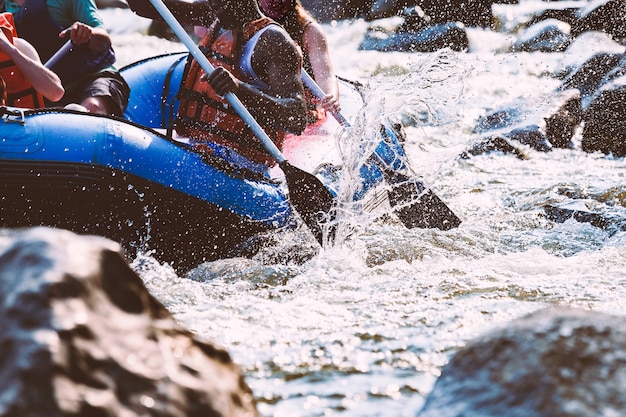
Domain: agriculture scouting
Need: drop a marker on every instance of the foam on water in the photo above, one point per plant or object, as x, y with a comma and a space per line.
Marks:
363, 328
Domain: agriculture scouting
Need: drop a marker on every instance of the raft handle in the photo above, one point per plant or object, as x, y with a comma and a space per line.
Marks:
15, 116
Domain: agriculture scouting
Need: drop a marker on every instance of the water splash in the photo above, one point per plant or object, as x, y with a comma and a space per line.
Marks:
363, 328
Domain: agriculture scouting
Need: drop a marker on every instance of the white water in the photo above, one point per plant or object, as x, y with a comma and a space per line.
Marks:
364, 328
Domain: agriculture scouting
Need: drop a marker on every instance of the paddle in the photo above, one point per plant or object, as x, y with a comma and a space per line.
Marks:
313, 202
413, 204
67, 46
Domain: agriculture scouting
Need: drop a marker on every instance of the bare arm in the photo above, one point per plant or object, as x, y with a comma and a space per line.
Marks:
277, 61
315, 45
24, 55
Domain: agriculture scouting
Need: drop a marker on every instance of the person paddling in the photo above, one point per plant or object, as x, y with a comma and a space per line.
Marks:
87, 72
255, 59
305, 30
25, 81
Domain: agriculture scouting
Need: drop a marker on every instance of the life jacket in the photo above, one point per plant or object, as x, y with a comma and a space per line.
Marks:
204, 115
19, 90
34, 24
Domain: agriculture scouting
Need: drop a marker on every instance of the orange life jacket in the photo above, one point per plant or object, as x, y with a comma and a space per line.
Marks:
20, 92
203, 115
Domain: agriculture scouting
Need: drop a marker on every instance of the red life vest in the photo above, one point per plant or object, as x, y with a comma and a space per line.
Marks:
205, 116
20, 92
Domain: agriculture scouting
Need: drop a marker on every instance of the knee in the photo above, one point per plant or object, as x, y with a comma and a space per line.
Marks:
100, 105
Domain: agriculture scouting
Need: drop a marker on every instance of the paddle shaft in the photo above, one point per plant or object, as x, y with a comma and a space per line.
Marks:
317, 92
67, 46
208, 68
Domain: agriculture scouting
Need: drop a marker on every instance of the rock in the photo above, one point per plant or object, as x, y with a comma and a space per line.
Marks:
587, 77
531, 136
519, 15
603, 209
328, 10
616, 72
609, 222
81, 336
502, 118
549, 35
474, 13
565, 11
542, 126
387, 8
584, 47
562, 122
497, 131
493, 144
433, 38
558, 361
604, 128
607, 16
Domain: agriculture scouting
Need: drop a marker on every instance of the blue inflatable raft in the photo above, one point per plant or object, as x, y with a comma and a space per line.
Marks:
124, 179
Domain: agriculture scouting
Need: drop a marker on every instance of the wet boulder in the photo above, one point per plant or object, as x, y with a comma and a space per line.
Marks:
529, 135
584, 47
550, 123
532, 136
562, 121
604, 127
329, 10
490, 144
381, 9
515, 17
565, 11
558, 361
610, 222
81, 336
500, 129
451, 35
549, 35
587, 77
603, 208
608, 16
503, 118
474, 13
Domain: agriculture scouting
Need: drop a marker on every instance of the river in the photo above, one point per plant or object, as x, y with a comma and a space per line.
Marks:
365, 327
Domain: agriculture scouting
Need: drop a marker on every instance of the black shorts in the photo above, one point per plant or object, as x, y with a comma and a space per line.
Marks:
103, 84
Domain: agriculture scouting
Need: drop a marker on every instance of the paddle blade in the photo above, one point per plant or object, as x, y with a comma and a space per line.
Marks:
417, 207
313, 202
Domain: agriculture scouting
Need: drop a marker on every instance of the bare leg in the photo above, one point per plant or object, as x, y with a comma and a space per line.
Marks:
100, 105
